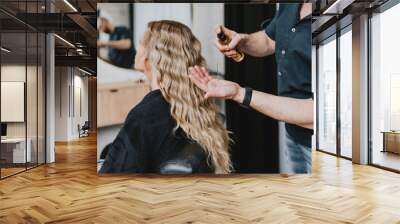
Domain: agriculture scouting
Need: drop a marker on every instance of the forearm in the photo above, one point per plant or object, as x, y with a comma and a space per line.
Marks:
257, 44
119, 44
294, 111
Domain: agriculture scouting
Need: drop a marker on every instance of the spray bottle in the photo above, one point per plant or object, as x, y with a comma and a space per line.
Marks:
226, 40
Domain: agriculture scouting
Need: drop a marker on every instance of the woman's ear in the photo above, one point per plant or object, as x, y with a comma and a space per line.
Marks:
147, 69
147, 66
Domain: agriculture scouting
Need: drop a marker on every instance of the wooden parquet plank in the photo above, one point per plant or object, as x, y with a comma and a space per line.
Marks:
70, 191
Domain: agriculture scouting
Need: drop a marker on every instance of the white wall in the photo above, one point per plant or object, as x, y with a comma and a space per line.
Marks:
206, 16
80, 83
201, 18
61, 103
9, 75
146, 12
119, 12
68, 80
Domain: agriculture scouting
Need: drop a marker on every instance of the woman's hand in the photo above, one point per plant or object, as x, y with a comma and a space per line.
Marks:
215, 88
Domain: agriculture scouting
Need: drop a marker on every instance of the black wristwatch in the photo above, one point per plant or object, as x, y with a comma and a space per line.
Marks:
248, 92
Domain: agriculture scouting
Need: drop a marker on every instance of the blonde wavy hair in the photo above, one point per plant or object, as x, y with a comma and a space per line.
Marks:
171, 48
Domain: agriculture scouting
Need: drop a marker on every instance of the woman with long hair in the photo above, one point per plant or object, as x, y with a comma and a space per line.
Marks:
174, 113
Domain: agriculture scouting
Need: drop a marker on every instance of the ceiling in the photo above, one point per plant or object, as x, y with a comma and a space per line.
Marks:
332, 15
74, 22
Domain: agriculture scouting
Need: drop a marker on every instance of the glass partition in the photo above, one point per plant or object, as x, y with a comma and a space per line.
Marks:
22, 101
13, 105
327, 96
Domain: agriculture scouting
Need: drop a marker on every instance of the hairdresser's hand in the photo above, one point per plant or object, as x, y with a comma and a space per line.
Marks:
236, 41
215, 88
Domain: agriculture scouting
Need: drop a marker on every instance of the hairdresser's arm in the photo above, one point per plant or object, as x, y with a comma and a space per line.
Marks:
290, 110
257, 44
123, 44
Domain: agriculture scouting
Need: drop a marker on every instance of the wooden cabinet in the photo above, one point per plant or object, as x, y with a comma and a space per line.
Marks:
391, 142
115, 100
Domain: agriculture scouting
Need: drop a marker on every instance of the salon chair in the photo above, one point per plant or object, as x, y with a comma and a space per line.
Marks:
84, 129
191, 159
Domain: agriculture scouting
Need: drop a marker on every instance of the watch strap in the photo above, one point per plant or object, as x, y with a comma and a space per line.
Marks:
247, 97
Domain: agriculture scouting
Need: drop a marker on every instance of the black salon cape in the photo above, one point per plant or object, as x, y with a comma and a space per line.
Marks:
146, 139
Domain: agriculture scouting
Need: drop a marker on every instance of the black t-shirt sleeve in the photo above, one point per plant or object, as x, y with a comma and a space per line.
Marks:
122, 57
125, 34
127, 152
270, 29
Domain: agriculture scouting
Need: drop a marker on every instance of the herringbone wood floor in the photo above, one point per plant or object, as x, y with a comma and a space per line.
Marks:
70, 191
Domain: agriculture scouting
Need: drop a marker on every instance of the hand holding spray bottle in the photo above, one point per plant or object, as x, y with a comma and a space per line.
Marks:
225, 40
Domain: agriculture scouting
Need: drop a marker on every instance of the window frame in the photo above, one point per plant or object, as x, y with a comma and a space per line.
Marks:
334, 37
